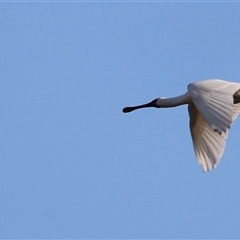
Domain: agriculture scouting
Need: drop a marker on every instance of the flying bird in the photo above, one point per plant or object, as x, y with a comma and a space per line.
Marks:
213, 105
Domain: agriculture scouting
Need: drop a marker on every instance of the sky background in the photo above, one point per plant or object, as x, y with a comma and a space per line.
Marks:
72, 164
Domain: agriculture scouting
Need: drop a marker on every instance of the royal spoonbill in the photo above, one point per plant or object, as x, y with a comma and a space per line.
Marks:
213, 105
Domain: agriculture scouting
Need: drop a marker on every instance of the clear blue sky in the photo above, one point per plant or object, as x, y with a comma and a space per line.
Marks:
72, 164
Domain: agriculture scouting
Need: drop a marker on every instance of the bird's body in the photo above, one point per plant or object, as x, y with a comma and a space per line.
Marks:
213, 105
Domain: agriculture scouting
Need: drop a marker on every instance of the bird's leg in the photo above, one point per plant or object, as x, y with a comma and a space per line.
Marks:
236, 97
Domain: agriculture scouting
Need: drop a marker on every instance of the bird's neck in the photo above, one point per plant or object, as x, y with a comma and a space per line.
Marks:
175, 101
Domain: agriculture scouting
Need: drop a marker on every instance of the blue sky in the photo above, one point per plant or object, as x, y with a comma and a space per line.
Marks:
72, 164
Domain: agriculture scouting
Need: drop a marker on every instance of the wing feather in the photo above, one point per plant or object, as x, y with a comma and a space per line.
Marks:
208, 144
214, 100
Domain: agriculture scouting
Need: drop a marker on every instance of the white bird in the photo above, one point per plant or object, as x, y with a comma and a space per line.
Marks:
213, 105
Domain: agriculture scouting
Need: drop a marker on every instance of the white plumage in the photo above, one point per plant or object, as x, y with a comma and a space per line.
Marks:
213, 105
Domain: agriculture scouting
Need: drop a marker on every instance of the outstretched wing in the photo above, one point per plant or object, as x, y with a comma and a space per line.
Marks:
211, 115
208, 145
214, 100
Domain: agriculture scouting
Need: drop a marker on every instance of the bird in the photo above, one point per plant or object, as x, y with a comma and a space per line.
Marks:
213, 105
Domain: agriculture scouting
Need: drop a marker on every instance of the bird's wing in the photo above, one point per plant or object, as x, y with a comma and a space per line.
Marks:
208, 145
214, 100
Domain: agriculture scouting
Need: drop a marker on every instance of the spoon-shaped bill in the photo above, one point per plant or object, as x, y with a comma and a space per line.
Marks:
150, 104
129, 109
